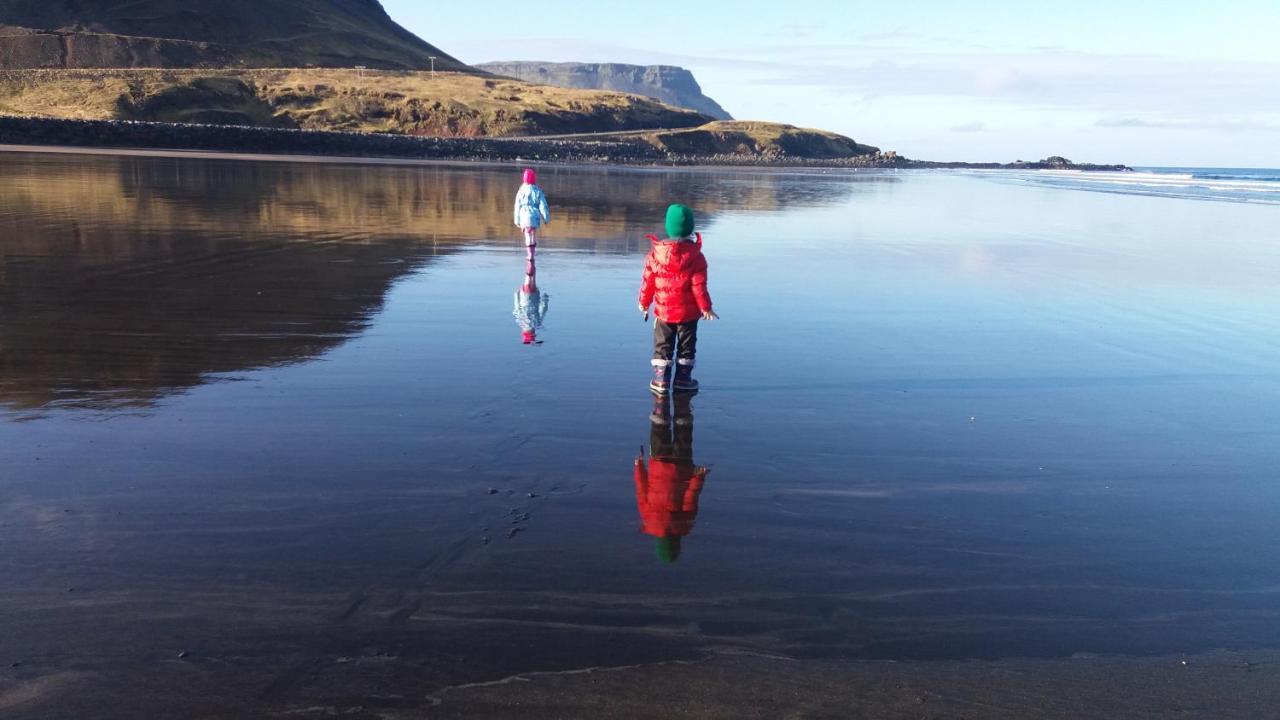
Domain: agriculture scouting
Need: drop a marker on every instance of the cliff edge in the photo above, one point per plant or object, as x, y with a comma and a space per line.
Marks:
666, 83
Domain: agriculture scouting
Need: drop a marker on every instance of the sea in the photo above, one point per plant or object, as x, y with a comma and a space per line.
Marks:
1246, 185
313, 439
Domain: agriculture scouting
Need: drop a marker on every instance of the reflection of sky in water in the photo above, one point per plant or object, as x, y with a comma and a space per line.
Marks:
944, 417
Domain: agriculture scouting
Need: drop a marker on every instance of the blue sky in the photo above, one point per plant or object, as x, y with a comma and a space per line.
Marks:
1174, 83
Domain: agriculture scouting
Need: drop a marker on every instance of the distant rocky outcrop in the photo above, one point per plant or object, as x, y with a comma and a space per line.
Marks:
1053, 162
760, 141
209, 34
667, 83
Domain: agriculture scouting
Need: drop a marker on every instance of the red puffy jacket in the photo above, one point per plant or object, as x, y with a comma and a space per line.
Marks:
667, 496
675, 280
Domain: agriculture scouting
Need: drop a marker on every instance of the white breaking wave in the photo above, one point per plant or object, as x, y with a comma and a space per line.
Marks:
1161, 184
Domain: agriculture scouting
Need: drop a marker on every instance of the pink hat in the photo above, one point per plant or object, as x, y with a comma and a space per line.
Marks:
530, 177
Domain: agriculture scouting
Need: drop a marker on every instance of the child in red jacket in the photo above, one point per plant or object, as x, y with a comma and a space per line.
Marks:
675, 282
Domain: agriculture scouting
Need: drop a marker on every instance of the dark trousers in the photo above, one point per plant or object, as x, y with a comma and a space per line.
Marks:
667, 335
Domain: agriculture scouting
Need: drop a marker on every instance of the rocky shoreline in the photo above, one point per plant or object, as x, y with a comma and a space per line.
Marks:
121, 134
1050, 163
242, 139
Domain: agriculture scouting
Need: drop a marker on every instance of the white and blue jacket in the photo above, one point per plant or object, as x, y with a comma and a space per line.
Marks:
531, 207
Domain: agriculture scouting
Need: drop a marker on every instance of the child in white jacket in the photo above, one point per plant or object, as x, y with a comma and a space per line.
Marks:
531, 211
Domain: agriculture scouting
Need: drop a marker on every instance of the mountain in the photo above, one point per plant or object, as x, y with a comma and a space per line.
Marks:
666, 83
345, 65
209, 33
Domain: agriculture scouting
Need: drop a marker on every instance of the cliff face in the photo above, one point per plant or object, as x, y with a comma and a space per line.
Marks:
669, 84
208, 33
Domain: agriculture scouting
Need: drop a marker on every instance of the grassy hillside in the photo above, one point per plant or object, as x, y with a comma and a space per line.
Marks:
209, 33
341, 65
758, 139
446, 104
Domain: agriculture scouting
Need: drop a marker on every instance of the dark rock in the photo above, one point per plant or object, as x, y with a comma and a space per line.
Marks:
209, 33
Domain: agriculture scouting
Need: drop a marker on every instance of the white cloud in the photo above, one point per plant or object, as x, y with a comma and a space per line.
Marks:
1226, 125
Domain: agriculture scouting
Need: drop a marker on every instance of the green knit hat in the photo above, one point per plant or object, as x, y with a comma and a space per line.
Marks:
668, 548
679, 222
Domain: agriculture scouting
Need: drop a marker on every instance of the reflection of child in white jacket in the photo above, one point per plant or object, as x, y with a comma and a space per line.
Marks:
531, 211
530, 307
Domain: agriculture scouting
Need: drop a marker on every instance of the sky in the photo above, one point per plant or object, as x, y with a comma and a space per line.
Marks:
1176, 83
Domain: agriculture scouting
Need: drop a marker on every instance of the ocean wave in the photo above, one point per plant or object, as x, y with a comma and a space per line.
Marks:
1260, 178
1218, 186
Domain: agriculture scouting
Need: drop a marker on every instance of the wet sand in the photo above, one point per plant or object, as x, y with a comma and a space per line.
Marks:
271, 446
718, 684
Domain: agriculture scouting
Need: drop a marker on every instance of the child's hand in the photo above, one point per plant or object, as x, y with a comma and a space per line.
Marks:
710, 315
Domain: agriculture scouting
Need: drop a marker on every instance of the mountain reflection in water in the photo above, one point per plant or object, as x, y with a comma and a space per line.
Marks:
123, 279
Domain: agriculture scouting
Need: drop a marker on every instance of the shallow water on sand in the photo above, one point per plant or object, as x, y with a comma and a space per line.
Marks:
270, 440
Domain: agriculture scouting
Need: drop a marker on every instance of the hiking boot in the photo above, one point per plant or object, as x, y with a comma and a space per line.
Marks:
684, 381
660, 383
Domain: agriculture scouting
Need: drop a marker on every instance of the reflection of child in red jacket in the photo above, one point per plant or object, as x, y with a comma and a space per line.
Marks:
667, 490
